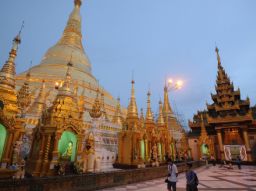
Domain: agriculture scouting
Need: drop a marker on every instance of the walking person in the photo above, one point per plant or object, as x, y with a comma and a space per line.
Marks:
238, 162
213, 160
172, 176
192, 180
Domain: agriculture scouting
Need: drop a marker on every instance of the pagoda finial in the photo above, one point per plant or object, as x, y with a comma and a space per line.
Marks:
8, 71
67, 81
78, 3
103, 106
118, 115
39, 105
149, 115
132, 108
218, 56
203, 129
166, 107
72, 35
160, 120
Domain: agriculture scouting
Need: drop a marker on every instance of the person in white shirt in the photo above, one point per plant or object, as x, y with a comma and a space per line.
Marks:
172, 176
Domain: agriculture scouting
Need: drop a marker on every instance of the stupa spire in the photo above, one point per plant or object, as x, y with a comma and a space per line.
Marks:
118, 117
149, 115
160, 120
39, 104
132, 108
218, 56
142, 120
167, 110
203, 129
24, 94
66, 88
72, 35
78, 2
8, 71
103, 107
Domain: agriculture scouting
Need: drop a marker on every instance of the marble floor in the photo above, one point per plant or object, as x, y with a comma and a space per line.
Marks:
210, 178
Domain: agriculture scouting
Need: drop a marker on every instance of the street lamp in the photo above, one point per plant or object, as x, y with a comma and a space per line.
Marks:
174, 85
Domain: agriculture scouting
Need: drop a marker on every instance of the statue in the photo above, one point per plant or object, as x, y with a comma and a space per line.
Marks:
154, 157
68, 153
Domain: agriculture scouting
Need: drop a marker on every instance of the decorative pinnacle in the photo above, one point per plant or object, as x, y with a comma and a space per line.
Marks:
17, 39
218, 56
78, 3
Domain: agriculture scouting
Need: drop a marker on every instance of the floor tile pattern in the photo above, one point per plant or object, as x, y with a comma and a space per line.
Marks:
210, 178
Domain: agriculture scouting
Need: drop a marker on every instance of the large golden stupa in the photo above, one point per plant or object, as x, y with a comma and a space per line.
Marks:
52, 69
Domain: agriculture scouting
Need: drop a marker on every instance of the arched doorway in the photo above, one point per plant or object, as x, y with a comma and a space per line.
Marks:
142, 149
205, 150
3, 134
67, 146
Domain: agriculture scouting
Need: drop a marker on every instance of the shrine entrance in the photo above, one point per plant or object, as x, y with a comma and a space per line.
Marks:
3, 134
67, 146
231, 152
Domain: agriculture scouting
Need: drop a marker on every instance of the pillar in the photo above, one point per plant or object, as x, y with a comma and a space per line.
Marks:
220, 144
247, 144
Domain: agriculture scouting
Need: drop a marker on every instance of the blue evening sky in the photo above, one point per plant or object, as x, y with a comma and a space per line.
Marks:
154, 38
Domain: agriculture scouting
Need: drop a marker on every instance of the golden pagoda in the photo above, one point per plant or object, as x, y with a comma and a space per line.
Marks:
52, 68
229, 119
11, 124
60, 134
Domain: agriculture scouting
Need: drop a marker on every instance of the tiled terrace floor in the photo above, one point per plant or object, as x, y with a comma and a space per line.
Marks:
211, 178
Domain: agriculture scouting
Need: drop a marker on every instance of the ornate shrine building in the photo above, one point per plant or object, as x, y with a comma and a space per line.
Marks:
146, 141
226, 129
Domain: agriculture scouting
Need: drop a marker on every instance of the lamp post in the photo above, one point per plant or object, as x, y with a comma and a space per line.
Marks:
172, 85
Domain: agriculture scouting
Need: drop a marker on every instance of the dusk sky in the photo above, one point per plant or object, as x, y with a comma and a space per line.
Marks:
154, 38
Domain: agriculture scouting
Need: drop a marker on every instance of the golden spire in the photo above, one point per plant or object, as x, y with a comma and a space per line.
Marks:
218, 56
149, 116
72, 35
81, 100
66, 88
38, 105
160, 120
118, 115
8, 72
103, 107
167, 111
203, 129
24, 94
142, 120
96, 112
132, 108
78, 3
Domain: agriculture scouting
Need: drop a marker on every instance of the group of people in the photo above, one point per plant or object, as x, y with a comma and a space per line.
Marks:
228, 164
191, 177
